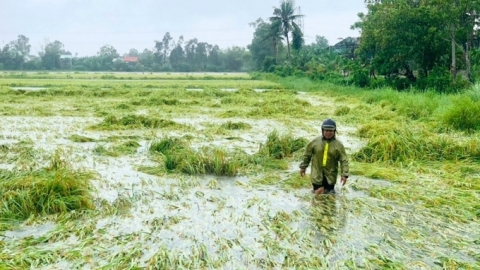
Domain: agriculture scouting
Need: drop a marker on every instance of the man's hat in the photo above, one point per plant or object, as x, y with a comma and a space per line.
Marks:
329, 124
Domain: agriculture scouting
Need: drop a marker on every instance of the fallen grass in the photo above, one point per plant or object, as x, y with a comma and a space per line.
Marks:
178, 155
113, 122
124, 148
54, 189
433, 171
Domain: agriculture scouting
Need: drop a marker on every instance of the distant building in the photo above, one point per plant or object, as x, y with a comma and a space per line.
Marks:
66, 61
346, 46
130, 60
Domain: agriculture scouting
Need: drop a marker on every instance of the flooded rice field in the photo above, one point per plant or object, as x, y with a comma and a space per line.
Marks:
148, 217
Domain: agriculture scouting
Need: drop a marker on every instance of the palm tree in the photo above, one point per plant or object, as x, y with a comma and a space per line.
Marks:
274, 35
285, 15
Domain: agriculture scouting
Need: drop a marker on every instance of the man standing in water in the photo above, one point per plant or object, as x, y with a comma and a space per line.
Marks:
326, 153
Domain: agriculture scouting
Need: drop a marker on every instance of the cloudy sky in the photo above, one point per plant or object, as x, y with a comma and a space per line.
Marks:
84, 26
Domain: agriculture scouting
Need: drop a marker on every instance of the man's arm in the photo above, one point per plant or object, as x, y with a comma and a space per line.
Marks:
307, 156
344, 164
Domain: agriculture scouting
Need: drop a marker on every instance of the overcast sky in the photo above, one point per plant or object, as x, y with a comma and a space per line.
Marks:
84, 26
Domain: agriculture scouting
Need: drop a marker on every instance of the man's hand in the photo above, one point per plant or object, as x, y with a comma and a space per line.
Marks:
302, 172
344, 180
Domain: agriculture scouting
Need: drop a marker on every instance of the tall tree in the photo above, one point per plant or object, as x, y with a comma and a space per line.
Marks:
147, 58
190, 56
177, 56
50, 55
133, 52
106, 55
266, 43
14, 54
167, 40
287, 17
201, 55
297, 39
402, 38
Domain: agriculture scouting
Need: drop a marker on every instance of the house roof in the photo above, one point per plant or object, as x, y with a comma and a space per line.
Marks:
130, 59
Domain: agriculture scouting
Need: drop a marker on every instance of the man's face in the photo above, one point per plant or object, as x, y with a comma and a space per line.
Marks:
328, 134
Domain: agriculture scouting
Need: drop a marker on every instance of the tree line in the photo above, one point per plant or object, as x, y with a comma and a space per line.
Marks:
403, 44
166, 55
425, 44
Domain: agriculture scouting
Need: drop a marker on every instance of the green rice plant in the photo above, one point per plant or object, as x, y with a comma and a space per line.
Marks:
384, 97
80, 138
122, 106
412, 142
375, 129
206, 160
113, 122
342, 110
410, 145
54, 189
416, 105
167, 144
280, 105
156, 101
235, 100
463, 114
235, 125
259, 161
124, 148
179, 156
281, 146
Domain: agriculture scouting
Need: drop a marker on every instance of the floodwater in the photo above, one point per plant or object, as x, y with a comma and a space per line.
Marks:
234, 220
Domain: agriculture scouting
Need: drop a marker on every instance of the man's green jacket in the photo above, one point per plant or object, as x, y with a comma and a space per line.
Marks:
325, 163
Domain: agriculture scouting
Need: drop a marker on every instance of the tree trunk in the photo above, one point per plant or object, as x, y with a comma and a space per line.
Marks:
453, 68
468, 62
288, 47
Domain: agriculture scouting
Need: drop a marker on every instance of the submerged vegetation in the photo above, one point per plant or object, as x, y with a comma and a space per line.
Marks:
175, 166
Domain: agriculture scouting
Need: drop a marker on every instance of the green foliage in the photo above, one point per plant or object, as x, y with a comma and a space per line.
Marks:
360, 76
